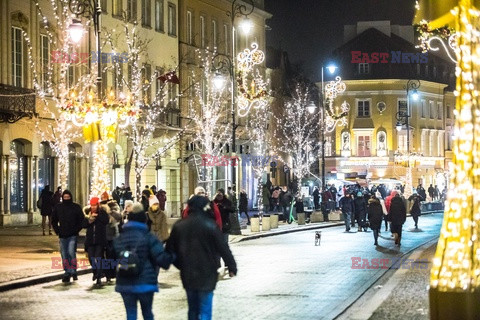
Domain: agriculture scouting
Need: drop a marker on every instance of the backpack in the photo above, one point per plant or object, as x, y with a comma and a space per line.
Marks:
39, 203
129, 265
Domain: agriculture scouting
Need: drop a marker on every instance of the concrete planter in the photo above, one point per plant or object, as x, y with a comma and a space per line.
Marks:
274, 221
301, 218
316, 216
266, 223
335, 216
255, 224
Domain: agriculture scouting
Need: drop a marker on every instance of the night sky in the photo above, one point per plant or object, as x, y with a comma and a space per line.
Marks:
309, 30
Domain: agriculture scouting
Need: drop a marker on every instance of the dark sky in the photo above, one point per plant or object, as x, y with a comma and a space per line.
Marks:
309, 30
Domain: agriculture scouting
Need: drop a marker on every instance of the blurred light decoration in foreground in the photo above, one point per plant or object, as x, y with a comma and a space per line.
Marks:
455, 274
252, 88
333, 117
99, 121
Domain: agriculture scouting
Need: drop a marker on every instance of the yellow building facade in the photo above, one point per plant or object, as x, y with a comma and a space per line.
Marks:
371, 148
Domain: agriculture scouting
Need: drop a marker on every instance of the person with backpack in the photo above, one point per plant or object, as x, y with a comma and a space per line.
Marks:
198, 244
140, 254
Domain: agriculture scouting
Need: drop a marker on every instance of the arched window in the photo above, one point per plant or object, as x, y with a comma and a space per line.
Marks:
45, 166
18, 177
381, 143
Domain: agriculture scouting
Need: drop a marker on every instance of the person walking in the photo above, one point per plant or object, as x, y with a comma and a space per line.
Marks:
141, 285
57, 196
286, 202
397, 216
96, 239
431, 192
225, 207
162, 199
45, 204
360, 211
214, 211
378, 195
67, 221
421, 192
198, 244
157, 219
243, 205
375, 217
415, 209
348, 207
316, 197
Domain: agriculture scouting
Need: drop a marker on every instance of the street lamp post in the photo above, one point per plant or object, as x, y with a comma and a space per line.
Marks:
403, 118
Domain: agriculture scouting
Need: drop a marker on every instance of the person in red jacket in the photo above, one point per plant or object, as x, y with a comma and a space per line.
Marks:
200, 191
388, 199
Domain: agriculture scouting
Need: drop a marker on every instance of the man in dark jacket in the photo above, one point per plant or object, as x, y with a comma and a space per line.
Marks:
149, 249
316, 197
226, 208
347, 206
286, 202
198, 243
360, 211
96, 240
67, 222
46, 208
397, 216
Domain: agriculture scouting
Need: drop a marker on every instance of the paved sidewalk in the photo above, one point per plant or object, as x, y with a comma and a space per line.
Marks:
26, 256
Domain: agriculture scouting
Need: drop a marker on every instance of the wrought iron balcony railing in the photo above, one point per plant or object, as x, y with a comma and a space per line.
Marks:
16, 103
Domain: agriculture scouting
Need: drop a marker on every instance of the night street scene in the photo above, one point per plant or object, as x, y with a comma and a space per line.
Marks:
240, 159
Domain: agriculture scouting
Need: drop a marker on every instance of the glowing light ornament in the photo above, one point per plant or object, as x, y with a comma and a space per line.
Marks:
455, 274
256, 96
333, 118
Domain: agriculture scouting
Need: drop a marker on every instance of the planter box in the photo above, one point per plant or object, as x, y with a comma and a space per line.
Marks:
335, 216
301, 218
255, 224
316, 216
266, 223
274, 221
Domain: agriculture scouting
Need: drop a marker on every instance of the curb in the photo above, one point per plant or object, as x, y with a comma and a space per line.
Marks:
30, 281
276, 233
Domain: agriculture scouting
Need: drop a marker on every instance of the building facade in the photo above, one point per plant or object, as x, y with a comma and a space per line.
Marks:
373, 146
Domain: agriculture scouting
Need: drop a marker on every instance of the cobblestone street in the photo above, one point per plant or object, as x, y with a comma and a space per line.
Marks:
280, 277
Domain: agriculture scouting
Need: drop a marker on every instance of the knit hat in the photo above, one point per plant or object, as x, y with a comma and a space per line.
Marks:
137, 214
199, 190
359, 194
94, 201
152, 200
198, 204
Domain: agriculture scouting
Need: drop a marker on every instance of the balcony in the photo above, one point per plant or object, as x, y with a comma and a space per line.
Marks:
16, 103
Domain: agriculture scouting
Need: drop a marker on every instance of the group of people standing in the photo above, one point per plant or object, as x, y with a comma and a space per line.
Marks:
370, 210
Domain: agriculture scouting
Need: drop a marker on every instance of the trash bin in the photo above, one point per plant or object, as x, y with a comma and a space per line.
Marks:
273, 221
255, 224
301, 218
266, 222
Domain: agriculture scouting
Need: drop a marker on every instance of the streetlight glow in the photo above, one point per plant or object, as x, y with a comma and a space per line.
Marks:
75, 30
246, 25
219, 81
399, 126
415, 95
311, 107
331, 68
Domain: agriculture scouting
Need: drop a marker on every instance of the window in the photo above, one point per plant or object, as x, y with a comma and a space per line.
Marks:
439, 110
18, 177
225, 36
432, 143
363, 146
426, 70
45, 166
363, 108
132, 10
172, 20
449, 112
189, 28
117, 8
146, 13
172, 96
17, 57
159, 15
363, 68
44, 56
202, 31
402, 106
418, 69
214, 33
424, 109
432, 109
328, 146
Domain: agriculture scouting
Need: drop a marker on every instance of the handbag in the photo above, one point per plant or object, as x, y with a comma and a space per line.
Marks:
39, 203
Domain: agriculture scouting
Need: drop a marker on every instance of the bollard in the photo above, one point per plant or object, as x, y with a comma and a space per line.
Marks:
266, 222
318, 237
274, 221
301, 218
255, 224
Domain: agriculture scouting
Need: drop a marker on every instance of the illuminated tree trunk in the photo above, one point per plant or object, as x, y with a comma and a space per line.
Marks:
455, 274
100, 172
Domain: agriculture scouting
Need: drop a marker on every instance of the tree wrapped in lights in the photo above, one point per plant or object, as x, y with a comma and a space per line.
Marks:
455, 274
143, 133
208, 112
52, 85
296, 131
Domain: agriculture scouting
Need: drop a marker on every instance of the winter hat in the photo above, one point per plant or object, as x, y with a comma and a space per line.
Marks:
152, 200
137, 214
94, 201
128, 203
104, 196
199, 190
359, 194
